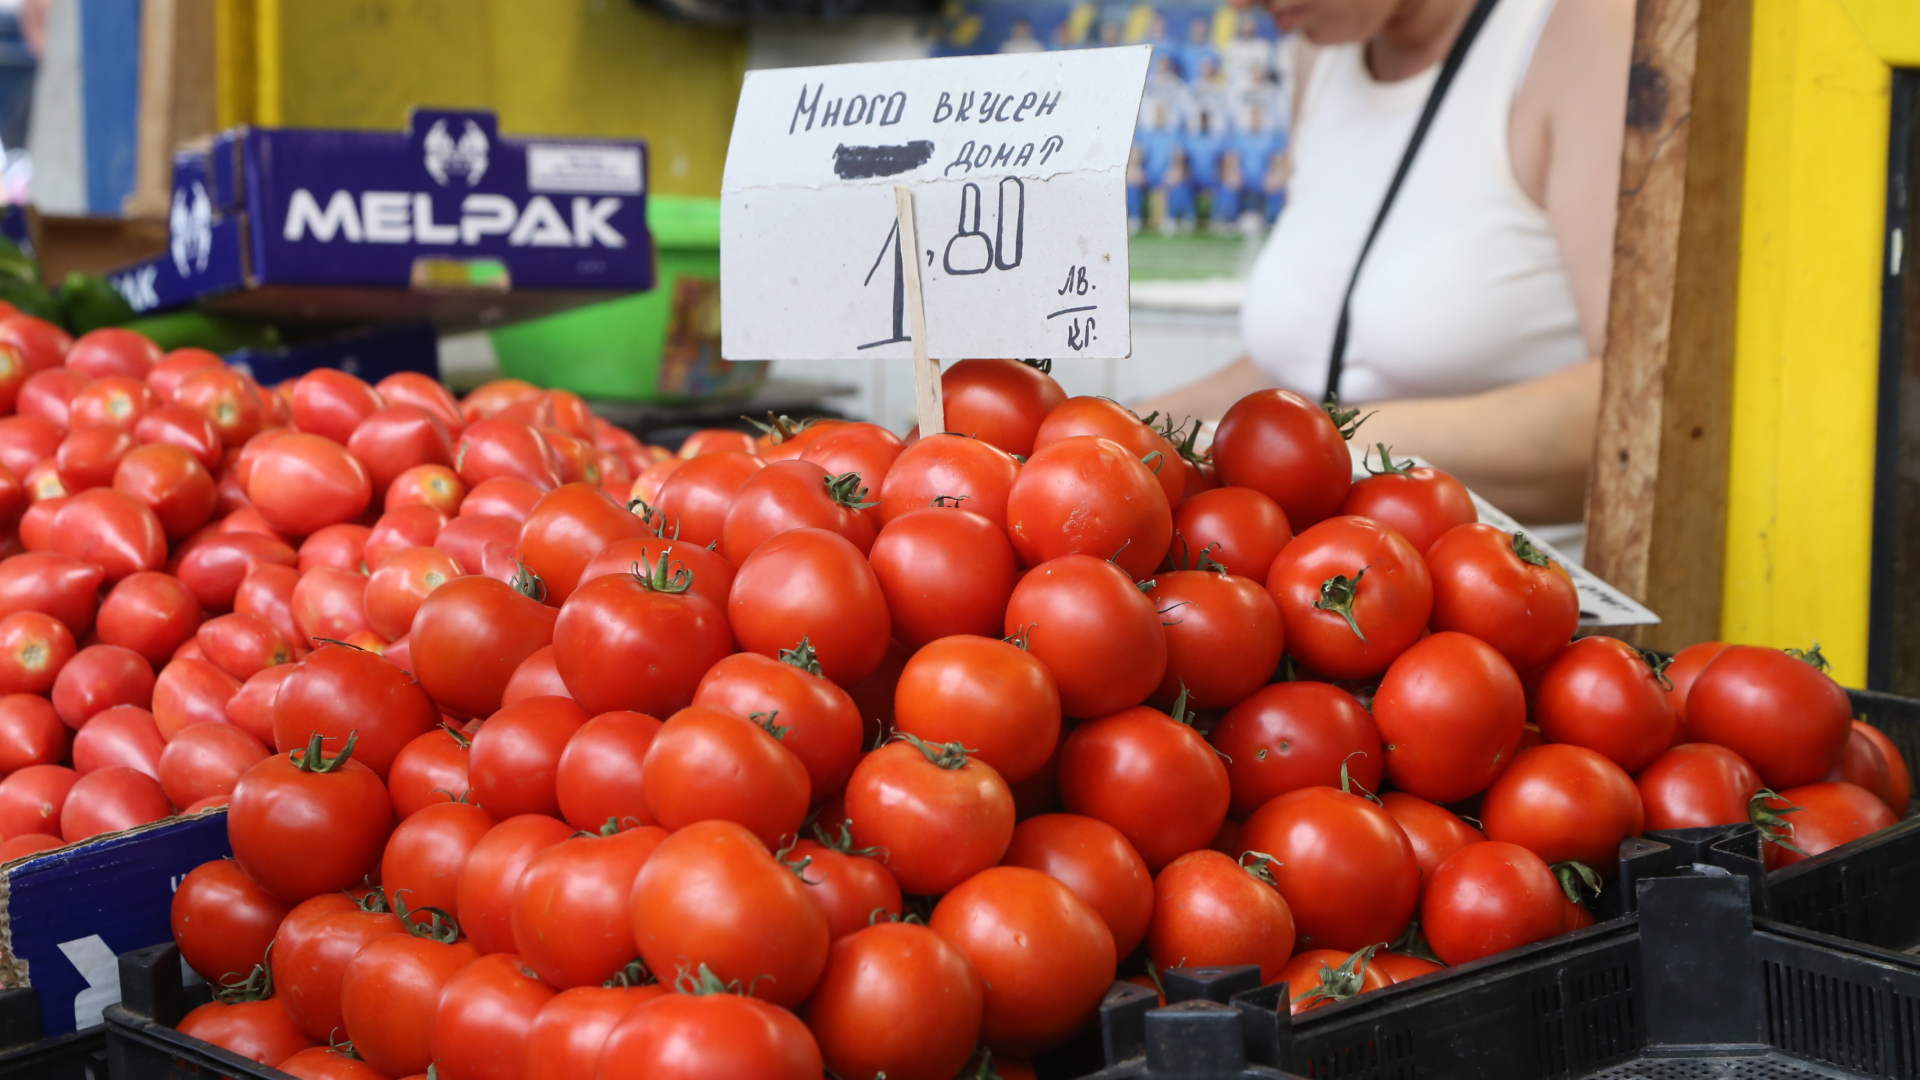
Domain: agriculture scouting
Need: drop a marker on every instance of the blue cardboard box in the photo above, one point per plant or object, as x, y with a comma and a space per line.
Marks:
448, 221
67, 915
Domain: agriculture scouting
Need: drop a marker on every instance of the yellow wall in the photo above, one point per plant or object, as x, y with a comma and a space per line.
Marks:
561, 67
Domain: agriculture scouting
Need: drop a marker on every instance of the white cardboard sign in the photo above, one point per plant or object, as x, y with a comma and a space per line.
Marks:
1018, 170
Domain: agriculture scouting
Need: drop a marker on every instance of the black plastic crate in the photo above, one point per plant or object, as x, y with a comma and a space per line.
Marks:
26, 1055
1690, 985
141, 1043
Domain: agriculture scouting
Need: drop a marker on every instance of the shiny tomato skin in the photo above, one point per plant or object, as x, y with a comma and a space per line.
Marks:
469, 635
36, 524
437, 486
56, 585
1695, 785
115, 401
1088, 496
822, 721
699, 892
1420, 503
708, 764
866, 450
301, 833
1287, 448
1686, 667
1045, 956
1153, 778
39, 343
687, 1037
402, 583
1434, 831
570, 921
1899, 779
423, 859
424, 392
535, 677
497, 395
570, 1030
1345, 867
1564, 802
213, 568
31, 733
566, 529
1784, 716
1224, 637
1291, 735
791, 494
485, 1015
853, 890
1451, 711
339, 690
469, 538
1830, 814
100, 677
31, 800
620, 643
223, 922
26, 441
1239, 528
1103, 418
694, 500
1481, 586
169, 481
896, 999
812, 584
1098, 635
1307, 972
390, 994
1488, 898
111, 530
342, 547
996, 699
944, 572
496, 448
111, 799
123, 735
89, 454
243, 645
229, 400
259, 1030
938, 824
484, 896
207, 760
176, 425
978, 474
113, 351
401, 528
190, 692
35, 646
48, 395
302, 483
430, 770
1392, 596
315, 943
1208, 910
1094, 860
267, 593
516, 755
326, 1063
1000, 402
1599, 693
165, 377
331, 403
594, 782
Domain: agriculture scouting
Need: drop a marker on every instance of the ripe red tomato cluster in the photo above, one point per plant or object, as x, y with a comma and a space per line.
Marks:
549, 754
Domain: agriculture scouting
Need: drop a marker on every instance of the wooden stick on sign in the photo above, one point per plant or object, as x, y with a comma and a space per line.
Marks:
926, 371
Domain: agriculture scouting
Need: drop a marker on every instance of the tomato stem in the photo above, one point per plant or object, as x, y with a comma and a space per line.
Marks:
634, 974
949, 756
844, 488
1261, 866
1573, 876
257, 986
659, 579
1343, 982
1043, 366
1348, 783
1659, 665
1344, 419
1023, 639
527, 583
1773, 824
779, 429
457, 735
1387, 466
942, 500
802, 656
843, 843
765, 720
1338, 593
705, 982
1812, 656
313, 760
345, 1049
1527, 552
1412, 942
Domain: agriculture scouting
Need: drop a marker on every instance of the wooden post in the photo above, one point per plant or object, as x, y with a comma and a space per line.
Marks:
926, 370
1657, 505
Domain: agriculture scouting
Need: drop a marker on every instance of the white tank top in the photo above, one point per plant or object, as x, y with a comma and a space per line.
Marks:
1464, 289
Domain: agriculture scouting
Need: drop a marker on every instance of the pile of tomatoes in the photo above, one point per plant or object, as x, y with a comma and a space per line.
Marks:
545, 753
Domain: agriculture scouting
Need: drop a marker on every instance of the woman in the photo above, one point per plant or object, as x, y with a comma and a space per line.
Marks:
1479, 317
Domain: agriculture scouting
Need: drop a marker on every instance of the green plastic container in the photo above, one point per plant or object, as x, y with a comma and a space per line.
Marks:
662, 345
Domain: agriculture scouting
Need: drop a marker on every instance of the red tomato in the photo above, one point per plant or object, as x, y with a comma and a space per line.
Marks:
303, 823
1097, 634
430, 770
1045, 956
1399, 968
424, 856
1686, 667
570, 1030
207, 760
266, 592
498, 447
223, 922
1599, 693
994, 698
56, 585
100, 677
535, 677
111, 799
701, 890
229, 400
391, 992
694, 500
1000, 402
167, 480
484, 898
89, 455
38, 342
1504, 591
1087, 496
569, 908
243, 645
497, 395
943, 573
13, 372
1224, 637
124, 735
939, 815
866, 450
1353, 596
301, 483
646, 486
1451, 711
26, 441
469, 635
340, 691
1783, 715
116, 401
566, 529
27, 845
1564, 803
694, 1036
214, 567
1346, 868
1103, 418
402, 528
794, 495
332, 403
852, 886
165, 377
638, 641
31, 800
713, 440
705, 763
326, 1063
1239, 528
1288, 449
516, 754
468, 539
954, 469
111, 530
1318, 977
1823, 816
712, 576
1899, 780
113, 351
34, 647
190, 692
897, 1000
1155, 779
1862, 765
822, 722
30, 733
1094, 860
425, 392
484, 1017
1695, 785
1208, 909
1434, 831
342, 547
1489, 898
36, 524
48, 395
176, 425
1420, 502
812, 585
1292, 735
427, 485
256, 1029
312, 948
595, 778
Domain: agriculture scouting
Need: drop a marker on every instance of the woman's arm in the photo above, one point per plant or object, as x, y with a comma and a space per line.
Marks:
1210, 397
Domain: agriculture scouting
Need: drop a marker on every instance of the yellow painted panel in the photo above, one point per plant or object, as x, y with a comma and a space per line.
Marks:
1800, 490
1891, 28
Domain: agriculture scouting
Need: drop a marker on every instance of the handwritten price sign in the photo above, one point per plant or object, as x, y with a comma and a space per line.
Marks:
1017, 166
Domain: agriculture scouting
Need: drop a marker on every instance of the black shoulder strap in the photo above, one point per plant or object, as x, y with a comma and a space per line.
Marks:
1448, 69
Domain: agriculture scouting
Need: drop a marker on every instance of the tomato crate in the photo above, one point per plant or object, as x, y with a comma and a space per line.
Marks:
1690, 984
141, 1043
25, 1054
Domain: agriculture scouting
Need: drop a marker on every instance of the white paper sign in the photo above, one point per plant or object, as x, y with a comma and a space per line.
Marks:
1018, 170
